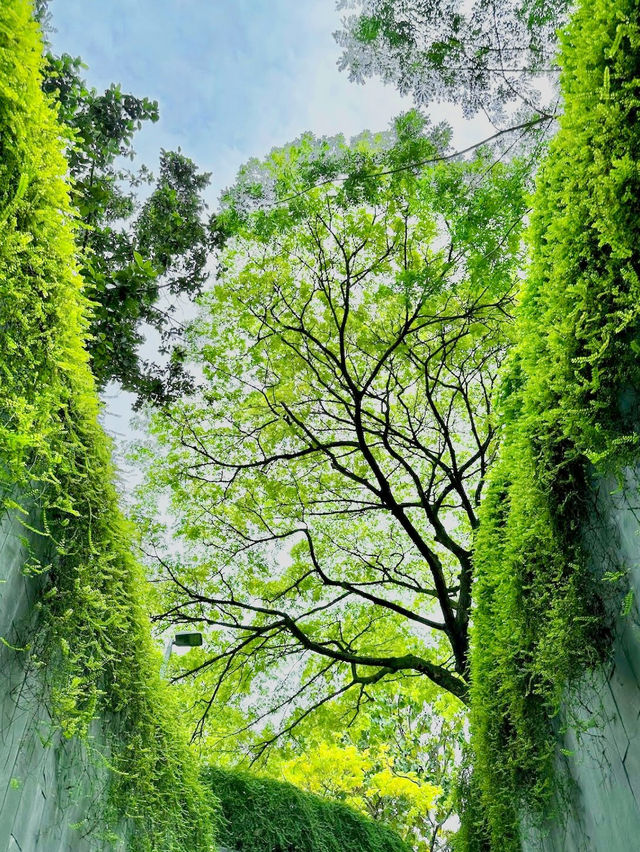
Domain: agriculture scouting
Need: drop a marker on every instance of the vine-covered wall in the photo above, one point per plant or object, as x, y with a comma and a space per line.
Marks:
87, 638
545, 612
52, 790
595, 805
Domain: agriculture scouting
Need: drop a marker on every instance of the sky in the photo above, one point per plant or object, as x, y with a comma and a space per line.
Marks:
233, 79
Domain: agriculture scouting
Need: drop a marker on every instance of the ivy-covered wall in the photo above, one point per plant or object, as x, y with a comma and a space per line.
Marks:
52, 790
545, 608
87, 648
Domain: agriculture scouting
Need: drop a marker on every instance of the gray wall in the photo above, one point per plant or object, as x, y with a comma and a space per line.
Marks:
598, 802
52, 790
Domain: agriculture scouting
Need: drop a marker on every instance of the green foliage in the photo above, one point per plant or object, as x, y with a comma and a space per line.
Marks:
272, 194
135, 258
93, 640
262, 815
480, 55
570, 408
472, 834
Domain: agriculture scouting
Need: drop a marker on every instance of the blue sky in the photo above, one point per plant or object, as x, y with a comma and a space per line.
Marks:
233, 77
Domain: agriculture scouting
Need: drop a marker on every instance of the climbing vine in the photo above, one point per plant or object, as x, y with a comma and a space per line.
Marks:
92, 639
570, 412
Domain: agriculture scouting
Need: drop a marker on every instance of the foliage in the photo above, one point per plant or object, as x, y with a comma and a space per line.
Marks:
263, 815
570, 408
325, 482
273, 192
92, 641
367, 778
133, 255
397, 762
418, 729
472, 834
483, 55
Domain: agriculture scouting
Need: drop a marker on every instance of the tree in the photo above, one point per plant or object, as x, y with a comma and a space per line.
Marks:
326, 480
42, 15
132, 252
397, 764
484, 56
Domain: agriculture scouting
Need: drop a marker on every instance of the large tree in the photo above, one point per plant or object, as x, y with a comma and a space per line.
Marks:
486, 56
144, 241
326, 480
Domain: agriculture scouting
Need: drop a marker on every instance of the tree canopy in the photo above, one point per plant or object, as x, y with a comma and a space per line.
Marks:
325, 480
484, 55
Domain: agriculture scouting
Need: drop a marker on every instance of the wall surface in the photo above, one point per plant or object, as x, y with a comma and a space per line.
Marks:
598, 804
51, 790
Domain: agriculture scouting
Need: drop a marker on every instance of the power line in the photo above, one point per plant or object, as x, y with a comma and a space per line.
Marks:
526, 125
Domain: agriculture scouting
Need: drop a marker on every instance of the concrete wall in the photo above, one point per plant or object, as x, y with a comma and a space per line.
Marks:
598, 802
52, 791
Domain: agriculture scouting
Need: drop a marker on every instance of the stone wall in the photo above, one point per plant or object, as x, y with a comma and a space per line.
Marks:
52, 790
597, 807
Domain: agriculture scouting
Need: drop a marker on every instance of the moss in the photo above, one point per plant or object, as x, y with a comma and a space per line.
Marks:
93, 643
263, 815
569, 410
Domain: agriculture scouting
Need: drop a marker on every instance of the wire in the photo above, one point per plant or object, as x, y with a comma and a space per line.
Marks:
430, 161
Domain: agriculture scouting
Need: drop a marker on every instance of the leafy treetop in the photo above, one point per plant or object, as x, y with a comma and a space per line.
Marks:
397, 763
484, 55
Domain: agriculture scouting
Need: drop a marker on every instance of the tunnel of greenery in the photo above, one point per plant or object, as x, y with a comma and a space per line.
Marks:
567, 413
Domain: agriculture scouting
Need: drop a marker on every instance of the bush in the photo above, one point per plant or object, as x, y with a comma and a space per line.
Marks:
262, 815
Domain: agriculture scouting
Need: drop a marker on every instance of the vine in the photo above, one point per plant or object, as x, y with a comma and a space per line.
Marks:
570, 412
92, 639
